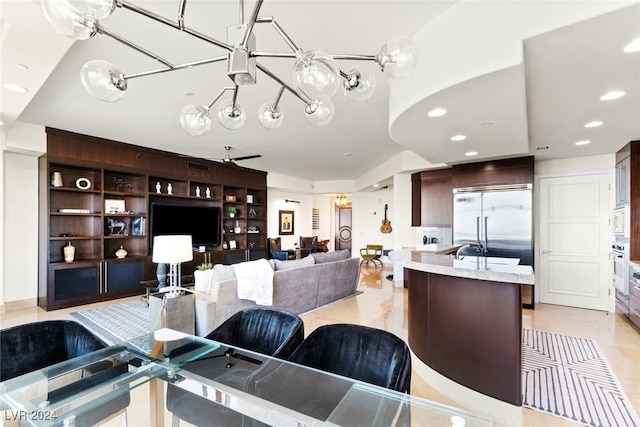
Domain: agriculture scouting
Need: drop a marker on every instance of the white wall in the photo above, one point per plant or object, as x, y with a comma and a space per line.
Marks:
20, 279
367, 215
302, 215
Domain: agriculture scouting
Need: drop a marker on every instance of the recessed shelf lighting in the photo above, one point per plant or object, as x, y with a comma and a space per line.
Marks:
471, 153
458, 138
614, 94
634, 46
585, 142
437, 112
14, 87
594, 124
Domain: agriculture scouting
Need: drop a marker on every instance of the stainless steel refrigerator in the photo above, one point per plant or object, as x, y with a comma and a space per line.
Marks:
495, 221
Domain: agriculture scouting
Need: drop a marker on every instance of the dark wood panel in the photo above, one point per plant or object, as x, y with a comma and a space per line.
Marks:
635, 201
469, 331
519, 170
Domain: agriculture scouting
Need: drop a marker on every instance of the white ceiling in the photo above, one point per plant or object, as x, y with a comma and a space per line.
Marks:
540, 93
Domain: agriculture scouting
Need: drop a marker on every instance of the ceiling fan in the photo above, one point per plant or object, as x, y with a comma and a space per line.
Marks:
227, 159
231, 160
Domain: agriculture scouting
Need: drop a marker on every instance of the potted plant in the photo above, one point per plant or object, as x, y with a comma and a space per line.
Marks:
203, 275
232, 211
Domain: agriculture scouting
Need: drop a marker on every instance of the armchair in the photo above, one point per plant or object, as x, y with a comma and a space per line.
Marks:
276, 252
308, 245
371, 253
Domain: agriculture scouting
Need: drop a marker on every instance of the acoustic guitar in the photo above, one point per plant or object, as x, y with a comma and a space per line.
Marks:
386, 224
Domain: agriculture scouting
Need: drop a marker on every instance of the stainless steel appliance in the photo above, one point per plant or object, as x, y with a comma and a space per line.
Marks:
495, 222
620, 260
622, 221
634, 293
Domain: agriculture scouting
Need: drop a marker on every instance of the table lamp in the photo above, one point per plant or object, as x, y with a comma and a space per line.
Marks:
173, 250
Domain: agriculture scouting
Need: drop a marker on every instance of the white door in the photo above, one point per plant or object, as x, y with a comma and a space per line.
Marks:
573, 247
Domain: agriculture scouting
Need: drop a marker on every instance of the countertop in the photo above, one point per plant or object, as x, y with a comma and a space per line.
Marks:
492, 269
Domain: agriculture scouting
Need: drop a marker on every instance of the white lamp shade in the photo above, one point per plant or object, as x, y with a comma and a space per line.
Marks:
172, 249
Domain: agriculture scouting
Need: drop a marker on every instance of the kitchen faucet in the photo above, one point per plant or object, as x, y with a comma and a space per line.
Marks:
478, 247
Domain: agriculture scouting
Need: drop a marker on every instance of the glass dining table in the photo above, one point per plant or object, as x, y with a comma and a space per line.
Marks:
262, 390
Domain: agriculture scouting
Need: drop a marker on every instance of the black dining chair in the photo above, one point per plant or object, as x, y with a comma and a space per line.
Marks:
266, 331
359, 352
32, 346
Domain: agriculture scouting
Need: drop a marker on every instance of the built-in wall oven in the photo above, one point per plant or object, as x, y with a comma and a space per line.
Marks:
634, 293
620, 257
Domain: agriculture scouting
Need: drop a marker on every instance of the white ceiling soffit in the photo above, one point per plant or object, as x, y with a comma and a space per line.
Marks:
471, 63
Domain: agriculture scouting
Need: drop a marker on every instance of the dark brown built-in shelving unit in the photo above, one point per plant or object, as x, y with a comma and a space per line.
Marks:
124, 172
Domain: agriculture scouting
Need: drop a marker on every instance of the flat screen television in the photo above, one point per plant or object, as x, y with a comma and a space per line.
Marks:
203, 223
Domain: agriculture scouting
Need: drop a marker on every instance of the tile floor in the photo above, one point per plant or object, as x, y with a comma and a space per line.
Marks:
383, 306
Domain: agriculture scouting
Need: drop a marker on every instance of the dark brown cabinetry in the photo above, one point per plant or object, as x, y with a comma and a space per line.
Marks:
628, 191
432, 190
432, 198
103, 204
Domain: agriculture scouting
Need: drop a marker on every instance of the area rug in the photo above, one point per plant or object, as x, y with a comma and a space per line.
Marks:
117, 322
568, 377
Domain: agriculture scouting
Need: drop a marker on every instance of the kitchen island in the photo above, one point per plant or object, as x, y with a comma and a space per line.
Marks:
465, 323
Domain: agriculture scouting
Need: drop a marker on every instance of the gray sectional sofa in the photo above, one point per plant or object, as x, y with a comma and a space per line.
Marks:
298, 286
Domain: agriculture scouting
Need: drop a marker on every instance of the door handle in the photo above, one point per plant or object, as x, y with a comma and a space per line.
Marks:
544, 251
486, 235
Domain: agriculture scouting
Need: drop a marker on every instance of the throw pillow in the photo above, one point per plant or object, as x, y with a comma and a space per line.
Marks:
223, 272
322, 257
294, 263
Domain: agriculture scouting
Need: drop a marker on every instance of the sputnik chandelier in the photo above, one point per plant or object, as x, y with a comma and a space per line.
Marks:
316, 76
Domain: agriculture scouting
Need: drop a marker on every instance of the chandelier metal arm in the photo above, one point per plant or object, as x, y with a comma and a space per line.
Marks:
251, 23
279, 30
218, 96
170, 23
181, 7
133, 46
278, 97
283, 84
176, 67
337, 56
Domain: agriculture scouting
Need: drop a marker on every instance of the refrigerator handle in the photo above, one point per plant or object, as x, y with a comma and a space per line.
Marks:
486, 234
478, 230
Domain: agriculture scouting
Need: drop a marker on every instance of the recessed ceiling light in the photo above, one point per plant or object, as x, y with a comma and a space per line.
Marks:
585, 142
615, 94
14, 87
458, 138
437, 112
486, 124
471, 153
593, 124
376, 185
347, 154
20, 66
189, 93
634, 46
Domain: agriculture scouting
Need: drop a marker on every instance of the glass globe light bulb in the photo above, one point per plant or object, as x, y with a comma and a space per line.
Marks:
103, 80
319, 113
397, 58
316, 75
95, 9
270, 117
359, 85
68, 21
231, 116
195, 119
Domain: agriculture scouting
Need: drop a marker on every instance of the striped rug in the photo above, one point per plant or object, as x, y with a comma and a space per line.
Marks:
568, 377
117, 322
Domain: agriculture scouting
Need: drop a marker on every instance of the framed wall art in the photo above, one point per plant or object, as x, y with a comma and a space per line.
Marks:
285, 221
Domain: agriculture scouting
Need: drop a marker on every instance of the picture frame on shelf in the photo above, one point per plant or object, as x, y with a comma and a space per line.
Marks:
114, 206
285, 223
232, 244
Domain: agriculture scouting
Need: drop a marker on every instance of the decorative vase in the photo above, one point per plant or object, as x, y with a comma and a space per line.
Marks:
237, 229
69, 252
121, 253
161, 274
56, 179
203, 279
